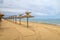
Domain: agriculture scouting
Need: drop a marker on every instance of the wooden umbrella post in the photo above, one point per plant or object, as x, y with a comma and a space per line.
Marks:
27, 22
13, 18
20, 21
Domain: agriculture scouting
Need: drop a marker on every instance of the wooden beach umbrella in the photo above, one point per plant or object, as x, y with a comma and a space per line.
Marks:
20, 17
1, 16
27, 15
8, 18
15, 18
12, 17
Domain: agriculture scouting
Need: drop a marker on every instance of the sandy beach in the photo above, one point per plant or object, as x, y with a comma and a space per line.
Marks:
29, 19
45, 31
36, 31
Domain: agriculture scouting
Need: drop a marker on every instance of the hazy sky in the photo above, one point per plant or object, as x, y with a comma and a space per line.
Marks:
43, 8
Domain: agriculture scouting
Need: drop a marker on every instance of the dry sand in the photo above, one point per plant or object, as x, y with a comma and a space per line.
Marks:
35, 31
44, 31
11, 31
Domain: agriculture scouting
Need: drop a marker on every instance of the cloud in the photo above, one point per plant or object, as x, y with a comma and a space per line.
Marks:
39, 14
11, 10
37, 7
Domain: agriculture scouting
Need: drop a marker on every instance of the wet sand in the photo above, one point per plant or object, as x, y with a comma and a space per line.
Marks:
35, 31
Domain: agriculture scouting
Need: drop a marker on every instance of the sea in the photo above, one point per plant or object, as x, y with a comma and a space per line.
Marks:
48, 21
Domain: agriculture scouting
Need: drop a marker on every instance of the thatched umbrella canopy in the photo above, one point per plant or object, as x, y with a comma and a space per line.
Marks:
27, 15
20, 16
1, 15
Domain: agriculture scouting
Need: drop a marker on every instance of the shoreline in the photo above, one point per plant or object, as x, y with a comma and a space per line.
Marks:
42, 22
45, 23
54, 24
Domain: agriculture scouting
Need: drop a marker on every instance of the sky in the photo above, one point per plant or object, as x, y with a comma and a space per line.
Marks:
42, 8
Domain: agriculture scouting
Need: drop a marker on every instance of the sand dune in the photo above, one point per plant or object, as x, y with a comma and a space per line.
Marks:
35, 31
